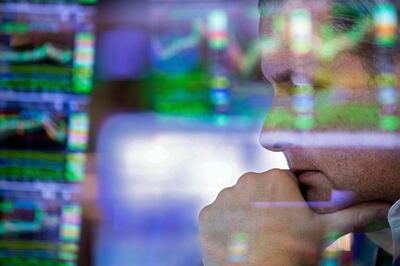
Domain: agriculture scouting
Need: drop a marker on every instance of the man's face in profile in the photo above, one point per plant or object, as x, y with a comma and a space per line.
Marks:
337, 63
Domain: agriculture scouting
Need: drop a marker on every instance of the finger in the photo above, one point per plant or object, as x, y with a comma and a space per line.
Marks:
361, 217
212, 252
282, 183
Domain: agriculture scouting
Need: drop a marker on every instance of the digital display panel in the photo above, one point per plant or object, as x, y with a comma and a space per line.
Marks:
45, 48
46, 74
39, 142
39, 225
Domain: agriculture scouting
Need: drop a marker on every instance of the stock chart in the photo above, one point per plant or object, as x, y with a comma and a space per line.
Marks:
46, 69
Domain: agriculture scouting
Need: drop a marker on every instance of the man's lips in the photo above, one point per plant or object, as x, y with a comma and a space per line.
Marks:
305, 177
319, 193
309, 178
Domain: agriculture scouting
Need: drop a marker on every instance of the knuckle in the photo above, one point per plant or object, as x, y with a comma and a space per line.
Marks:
358, 221
225, 193
280, 176
274, 176
247, 178
275, 172
203, 214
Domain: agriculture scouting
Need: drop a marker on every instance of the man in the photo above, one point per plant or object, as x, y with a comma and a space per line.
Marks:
288, 217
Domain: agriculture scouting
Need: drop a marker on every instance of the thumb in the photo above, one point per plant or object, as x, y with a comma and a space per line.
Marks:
363, 217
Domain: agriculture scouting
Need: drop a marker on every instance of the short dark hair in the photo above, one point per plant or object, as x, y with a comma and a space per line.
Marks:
360, 7
344, 13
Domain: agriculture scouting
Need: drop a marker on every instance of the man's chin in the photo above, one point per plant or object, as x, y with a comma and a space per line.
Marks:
336, 201
323, 207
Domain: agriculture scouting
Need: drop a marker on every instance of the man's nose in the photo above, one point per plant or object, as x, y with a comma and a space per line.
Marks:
274, 141
281, 146
278, 146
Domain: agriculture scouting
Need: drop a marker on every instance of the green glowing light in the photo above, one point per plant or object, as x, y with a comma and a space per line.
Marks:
330, 263
333, 42
75, 209
11, 27
65, 255
82, 84
280, 118
31, 173
34, 84
385, 17
333, 235
304, 89
386, 80
389, 123
350, 116
217, 27
6, 207
301, 31
184, 95
220, 82
217, 20
279, 24
84, 54
35, 68
342, 116
304, 122
88, 1
26, 155
222, 120
218, 43
75, 168
240, 237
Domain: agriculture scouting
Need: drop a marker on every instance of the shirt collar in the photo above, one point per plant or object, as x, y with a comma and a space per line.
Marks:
389, 238
394, 222
394, 215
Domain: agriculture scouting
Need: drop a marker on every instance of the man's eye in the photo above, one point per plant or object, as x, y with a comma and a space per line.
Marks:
288, 88
282, 77
322, 80
284, 89
345, 17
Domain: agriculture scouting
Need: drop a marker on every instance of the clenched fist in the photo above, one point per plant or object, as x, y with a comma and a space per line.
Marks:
264, 220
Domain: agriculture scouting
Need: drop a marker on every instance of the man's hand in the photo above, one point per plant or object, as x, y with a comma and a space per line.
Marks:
264, 220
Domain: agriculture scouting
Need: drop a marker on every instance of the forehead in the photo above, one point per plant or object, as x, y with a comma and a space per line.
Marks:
329, 18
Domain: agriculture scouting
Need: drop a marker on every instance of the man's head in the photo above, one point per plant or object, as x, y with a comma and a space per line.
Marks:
331, 71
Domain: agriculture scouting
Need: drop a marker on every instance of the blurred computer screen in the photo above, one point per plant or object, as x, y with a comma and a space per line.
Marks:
46, 68
169, 97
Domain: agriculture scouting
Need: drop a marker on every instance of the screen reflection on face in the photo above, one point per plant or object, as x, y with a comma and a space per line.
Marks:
335, 74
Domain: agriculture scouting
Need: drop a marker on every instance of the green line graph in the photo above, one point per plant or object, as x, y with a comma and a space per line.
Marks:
55, 157
36, 69
34, 84
42, 52
20, 226
180, 44
30, 165
11, 125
